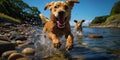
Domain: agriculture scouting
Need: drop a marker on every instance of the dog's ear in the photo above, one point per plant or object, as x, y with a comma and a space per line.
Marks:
48, 6
71, 2
83, 20
75, 21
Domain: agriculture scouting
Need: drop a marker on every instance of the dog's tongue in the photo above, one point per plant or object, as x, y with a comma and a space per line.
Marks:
60, 22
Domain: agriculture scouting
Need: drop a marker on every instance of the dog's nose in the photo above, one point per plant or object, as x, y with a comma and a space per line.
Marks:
61, 13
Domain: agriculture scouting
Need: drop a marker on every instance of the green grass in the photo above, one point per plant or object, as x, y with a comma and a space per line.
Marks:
111, 18
9, 18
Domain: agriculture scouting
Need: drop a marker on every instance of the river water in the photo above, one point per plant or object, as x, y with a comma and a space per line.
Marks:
106, 48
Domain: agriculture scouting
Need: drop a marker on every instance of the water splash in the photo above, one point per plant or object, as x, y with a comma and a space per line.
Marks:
44, 47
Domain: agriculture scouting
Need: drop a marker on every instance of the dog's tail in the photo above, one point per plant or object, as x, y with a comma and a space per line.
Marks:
43, 18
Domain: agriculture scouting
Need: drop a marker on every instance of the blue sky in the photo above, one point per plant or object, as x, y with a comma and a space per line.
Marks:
86, 9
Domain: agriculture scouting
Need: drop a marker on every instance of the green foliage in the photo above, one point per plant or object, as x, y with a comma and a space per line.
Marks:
111, 18
19, 9
6, 17
104, 20
99, 20
116, 8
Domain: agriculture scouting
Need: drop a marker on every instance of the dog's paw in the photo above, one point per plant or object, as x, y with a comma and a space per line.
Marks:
69, 46
57, 44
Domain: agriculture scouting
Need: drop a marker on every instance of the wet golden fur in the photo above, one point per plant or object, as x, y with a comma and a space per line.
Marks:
56, 30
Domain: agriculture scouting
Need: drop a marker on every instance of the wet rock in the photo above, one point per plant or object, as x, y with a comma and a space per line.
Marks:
18, 56
6, 47
21, 37
24, 44
7, 34
28, 51
7, 53
6, 25
95, 36
2, 41
13, 35
18, 37
20, 42
4, 38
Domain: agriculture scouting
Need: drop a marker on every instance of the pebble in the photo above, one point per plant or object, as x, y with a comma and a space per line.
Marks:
28, 51
15, 56
7, 53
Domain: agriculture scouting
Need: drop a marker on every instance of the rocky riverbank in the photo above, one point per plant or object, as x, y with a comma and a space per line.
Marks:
14, 42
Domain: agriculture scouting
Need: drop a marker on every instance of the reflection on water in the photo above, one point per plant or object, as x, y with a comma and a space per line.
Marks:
106, 48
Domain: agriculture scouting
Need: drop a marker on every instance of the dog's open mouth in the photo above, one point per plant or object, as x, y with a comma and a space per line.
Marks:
61, 22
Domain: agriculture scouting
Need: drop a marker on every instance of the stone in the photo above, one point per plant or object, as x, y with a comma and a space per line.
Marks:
21, 37
2, 41
24, 44
7, 53
15, 56
28, 51
18, 37
95, 36
4, 38
20, 42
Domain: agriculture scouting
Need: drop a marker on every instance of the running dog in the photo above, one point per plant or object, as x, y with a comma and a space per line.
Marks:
58, 25
78, 26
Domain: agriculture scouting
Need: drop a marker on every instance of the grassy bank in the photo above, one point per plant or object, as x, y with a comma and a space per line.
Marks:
110, 19
6, 17
99, 21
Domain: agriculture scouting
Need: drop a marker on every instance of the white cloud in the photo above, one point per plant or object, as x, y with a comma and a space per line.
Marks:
87, 22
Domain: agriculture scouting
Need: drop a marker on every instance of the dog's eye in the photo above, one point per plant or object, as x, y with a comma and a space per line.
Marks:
55, 7
66, 7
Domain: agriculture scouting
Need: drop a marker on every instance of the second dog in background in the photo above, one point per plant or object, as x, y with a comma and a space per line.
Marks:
78, 26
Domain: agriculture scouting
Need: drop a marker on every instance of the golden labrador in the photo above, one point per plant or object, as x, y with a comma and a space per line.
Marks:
58, 25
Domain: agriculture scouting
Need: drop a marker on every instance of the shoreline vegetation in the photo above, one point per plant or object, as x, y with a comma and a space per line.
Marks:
17, 11
108, 21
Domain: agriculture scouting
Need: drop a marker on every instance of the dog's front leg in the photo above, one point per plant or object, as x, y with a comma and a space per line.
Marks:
69, 41
55, 40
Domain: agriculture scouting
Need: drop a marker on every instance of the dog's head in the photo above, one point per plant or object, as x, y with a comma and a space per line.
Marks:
79, 23
61, 11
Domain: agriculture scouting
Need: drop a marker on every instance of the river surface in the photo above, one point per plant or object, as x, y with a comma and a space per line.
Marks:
106, 48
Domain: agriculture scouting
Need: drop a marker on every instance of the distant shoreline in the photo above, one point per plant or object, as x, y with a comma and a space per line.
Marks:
98, 27
104, 26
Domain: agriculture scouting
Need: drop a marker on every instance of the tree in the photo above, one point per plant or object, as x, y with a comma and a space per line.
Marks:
19, 9
116, 8
99, 20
